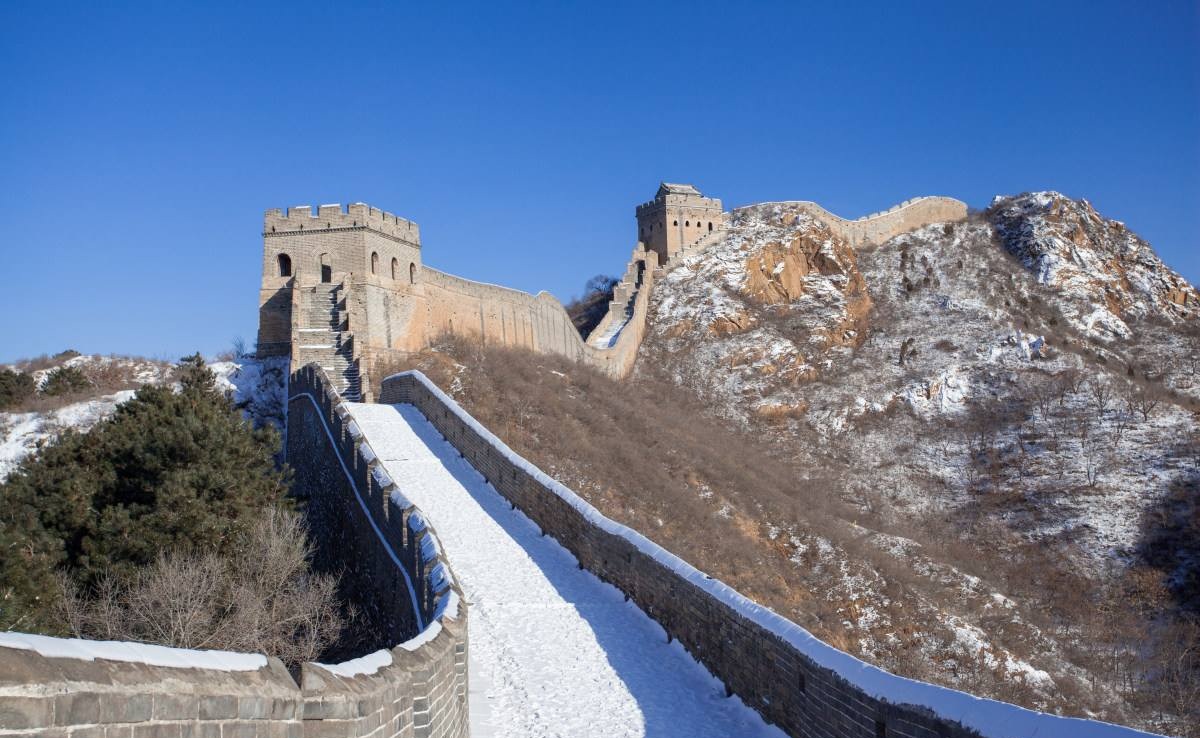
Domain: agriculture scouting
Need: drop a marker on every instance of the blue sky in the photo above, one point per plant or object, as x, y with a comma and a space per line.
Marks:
139, 145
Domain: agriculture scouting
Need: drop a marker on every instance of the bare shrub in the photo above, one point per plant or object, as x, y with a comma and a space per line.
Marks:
1143, 398
1101, 393
1093, 452
44, 361
1177, 670
263, 599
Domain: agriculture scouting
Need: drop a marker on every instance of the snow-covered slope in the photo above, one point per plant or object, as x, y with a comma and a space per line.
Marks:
256, 387
1103, 274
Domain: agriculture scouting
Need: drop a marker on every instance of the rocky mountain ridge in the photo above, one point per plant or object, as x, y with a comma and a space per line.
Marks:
1022, 387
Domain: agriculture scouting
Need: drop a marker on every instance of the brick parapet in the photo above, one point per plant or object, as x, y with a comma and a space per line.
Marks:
85, 697
281, 221
804, 686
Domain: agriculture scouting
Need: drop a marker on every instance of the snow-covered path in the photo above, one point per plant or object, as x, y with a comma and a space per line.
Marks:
553, 650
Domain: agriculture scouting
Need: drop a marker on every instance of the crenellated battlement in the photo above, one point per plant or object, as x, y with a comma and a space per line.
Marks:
335, 216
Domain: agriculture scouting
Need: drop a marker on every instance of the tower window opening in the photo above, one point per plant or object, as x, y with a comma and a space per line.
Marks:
710, 226
374, 262
675, 223
412, 273
285, 265
395, 267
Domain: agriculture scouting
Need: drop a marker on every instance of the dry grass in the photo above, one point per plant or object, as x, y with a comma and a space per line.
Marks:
114, 374
642, 452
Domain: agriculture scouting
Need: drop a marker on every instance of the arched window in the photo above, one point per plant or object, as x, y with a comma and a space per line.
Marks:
710, 226
412, 273
675, 223
285, 265
374, 262
395, 266
687, 224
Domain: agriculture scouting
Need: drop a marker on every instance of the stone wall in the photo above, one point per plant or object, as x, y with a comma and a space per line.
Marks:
438, 304
392, 565
66, 688
792, 679
395, 571
874, 229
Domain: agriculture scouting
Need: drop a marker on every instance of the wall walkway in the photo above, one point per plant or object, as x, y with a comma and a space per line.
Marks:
554, 651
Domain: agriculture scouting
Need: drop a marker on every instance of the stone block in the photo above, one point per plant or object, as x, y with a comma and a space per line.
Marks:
337, 709
284, 709
77, 708
157, 730
17, 713
125, 708
239, 729
176, 706
327, 728
218, 707
254, 708
197, 729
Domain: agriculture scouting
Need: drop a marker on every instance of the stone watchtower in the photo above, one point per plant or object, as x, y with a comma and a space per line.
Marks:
312, 261
677, 217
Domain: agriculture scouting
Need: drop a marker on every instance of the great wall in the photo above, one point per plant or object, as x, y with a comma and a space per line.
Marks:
344, 287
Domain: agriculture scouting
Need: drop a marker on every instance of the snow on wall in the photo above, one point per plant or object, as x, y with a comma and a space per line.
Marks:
139, 653
391, 558
792, 678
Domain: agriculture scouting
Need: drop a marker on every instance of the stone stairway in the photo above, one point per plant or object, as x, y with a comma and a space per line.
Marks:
323, 339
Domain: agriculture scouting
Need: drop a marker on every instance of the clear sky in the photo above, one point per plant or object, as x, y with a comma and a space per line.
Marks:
139, 145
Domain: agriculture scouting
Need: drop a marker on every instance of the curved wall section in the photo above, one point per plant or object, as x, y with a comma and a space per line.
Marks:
391, 563
803, 685
876, 228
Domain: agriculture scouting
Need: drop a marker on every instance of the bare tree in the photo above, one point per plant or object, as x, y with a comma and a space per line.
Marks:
265, 599
1177, 659
1122, 419
1100, 390
1091, 450
1071, 381
1143, 399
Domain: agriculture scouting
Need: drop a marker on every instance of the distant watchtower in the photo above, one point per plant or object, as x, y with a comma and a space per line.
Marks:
677, 217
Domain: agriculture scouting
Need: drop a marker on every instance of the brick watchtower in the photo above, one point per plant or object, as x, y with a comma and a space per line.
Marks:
677, 217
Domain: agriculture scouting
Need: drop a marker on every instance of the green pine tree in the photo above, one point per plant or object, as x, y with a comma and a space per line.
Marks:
168, 471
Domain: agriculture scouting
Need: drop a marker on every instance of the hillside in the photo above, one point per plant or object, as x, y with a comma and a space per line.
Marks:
969, 455
101, 383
